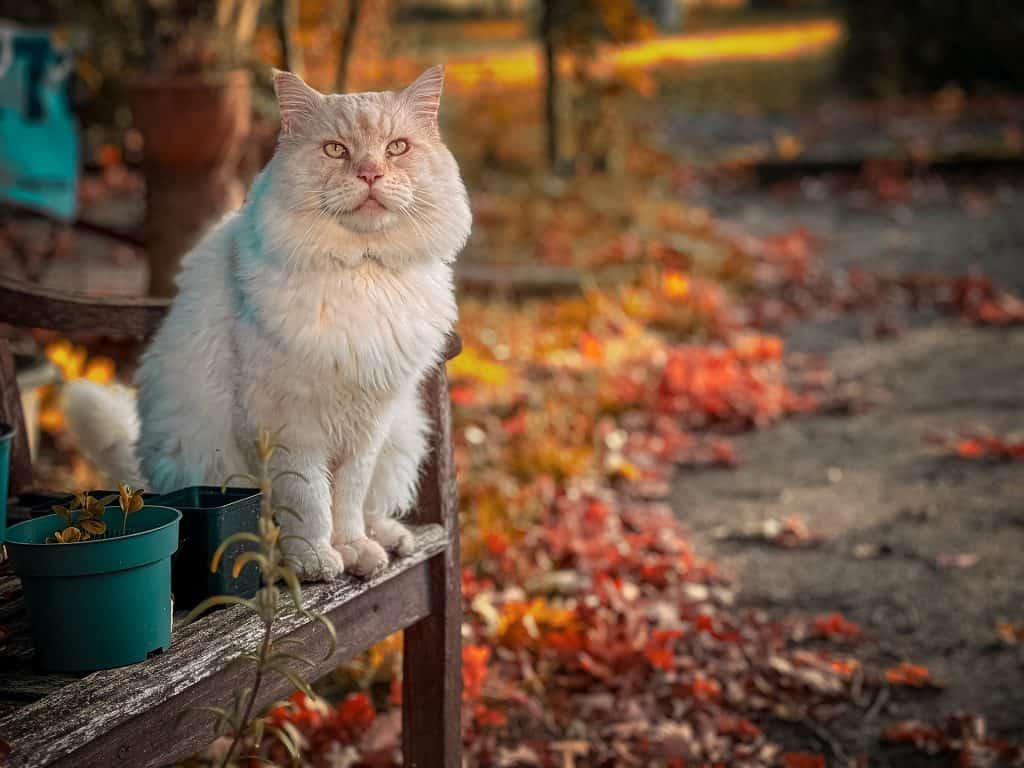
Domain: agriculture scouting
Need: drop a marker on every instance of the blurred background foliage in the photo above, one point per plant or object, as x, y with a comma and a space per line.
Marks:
913, 47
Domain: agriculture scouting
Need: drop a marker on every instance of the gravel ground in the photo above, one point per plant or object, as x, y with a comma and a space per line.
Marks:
887, 502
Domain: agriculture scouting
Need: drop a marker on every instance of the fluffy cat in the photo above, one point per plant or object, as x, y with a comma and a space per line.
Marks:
316, 309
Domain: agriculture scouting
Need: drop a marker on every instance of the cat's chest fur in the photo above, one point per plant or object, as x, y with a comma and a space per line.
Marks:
343, 341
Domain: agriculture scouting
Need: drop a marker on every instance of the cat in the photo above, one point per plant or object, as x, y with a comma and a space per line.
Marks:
316, 309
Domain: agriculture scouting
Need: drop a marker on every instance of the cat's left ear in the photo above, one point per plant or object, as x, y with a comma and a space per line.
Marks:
296, 100
423, 97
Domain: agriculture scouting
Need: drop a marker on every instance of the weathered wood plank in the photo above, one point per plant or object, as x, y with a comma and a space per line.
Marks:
27, 686
124, 717
10, 414
432, 661
32, 306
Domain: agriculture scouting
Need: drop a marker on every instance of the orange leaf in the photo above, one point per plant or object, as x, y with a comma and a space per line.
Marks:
905, 673
803, 760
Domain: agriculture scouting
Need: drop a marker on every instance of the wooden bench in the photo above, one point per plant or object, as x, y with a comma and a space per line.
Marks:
126, 717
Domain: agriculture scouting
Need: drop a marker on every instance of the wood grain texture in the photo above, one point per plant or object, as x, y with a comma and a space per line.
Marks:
31, 306
432, 661
125, 717
11, 414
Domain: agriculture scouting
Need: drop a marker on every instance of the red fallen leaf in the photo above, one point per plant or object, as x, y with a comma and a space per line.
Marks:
914, 732
1010, 633
474, 670
982, 445
661, 658
803, 760
723, 452
970, 449
357, 711
706, 689
904, 673
591, 347
836, 625
488, 716
496, 542
463, 395
515, 425
737, 726
395, 692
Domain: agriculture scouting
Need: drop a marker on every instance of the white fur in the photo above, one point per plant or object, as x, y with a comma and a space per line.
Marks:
302, 314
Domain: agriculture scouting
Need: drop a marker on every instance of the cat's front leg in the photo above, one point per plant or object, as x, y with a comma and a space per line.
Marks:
396, 478
306, 542
362, 555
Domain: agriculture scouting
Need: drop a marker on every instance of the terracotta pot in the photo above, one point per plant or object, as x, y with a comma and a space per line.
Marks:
194, 130
192, 122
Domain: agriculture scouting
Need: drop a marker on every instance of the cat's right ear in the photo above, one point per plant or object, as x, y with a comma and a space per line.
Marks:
296, 100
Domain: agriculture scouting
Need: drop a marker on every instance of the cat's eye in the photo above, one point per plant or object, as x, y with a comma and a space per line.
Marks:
336, 150
397, 147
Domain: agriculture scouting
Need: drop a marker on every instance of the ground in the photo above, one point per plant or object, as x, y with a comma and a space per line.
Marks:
889, 505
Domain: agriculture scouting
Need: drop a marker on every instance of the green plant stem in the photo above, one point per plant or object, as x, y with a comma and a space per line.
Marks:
269, 583
243, 724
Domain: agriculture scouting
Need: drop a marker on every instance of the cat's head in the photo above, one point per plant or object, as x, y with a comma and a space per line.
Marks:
371, 169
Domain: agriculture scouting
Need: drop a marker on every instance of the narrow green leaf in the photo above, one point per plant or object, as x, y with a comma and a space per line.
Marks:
212, 602
288, 511
238, 476
330, 630
232, 539
292, 657
294, 588
249, 557
286, 742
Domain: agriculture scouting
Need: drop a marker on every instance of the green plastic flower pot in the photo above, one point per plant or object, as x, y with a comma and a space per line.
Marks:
100, 603
209, 516
6, 438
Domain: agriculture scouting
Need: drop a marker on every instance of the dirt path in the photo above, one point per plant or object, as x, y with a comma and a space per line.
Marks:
888, 504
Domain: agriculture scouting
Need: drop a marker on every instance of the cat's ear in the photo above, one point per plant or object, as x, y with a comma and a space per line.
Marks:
296, 100
423, 97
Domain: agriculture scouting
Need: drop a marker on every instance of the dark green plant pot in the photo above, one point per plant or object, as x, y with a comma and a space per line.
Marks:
208, 517
100, 603
6, 438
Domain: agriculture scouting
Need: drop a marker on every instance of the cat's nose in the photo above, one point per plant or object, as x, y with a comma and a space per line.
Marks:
369, 175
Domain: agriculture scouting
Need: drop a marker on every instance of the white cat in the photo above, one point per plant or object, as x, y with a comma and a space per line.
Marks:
316, 309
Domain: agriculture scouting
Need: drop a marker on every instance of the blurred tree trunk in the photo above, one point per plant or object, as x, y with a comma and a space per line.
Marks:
286, 22
556, 99
547, 35
348, 36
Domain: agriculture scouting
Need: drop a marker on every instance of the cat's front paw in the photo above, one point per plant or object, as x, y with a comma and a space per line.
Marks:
362, 557
390, 534
315, 562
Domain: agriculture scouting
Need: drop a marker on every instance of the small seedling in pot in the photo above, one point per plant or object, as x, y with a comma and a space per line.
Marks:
130, 501
83, 519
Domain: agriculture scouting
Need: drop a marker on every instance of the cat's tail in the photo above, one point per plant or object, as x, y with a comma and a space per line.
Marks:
104, 422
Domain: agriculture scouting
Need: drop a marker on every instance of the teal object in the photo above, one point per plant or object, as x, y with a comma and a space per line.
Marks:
38, 133
209, 516
100, 603
6, 438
